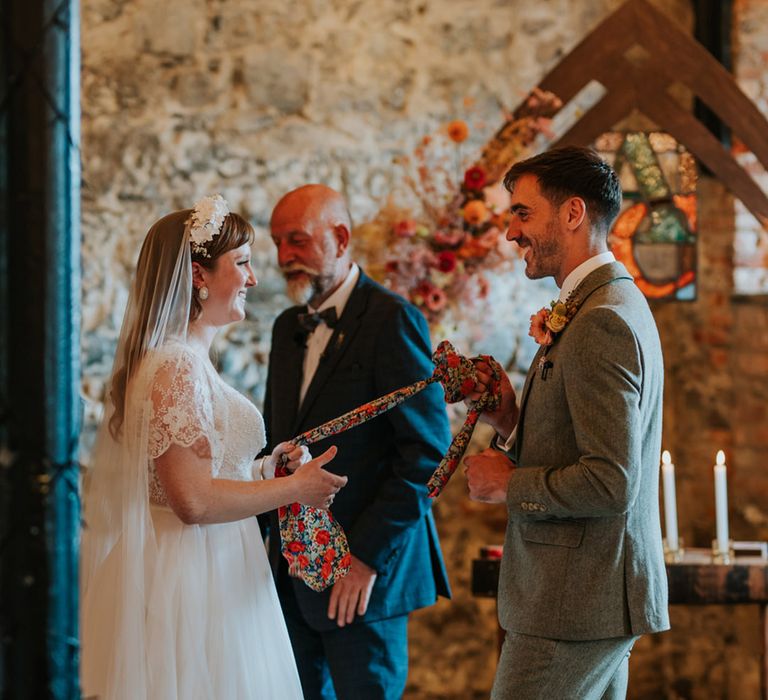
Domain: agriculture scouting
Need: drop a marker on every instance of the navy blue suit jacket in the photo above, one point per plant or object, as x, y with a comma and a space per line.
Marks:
380, 343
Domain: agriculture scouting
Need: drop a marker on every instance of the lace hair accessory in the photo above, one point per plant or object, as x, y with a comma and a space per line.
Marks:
205, 222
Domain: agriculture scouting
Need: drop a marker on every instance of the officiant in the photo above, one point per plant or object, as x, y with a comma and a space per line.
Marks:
347, 341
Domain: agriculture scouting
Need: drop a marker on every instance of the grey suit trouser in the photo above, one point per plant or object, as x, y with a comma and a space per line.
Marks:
535, 667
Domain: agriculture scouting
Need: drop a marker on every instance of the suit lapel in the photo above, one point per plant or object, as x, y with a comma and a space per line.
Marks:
343, 333
599, 278
288, 363
527, 389
592, 282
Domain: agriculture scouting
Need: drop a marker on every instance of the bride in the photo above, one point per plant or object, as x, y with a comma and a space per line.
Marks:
177, 596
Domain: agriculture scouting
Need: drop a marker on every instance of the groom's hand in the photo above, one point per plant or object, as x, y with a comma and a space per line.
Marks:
488, 475
351, 594
504, 419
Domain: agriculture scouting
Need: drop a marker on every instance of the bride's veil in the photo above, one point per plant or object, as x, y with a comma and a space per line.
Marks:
118, 539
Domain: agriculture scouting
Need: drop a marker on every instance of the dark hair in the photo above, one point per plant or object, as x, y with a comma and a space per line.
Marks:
235, 231
574, 171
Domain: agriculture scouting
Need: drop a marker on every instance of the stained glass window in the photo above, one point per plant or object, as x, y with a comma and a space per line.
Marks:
655, 233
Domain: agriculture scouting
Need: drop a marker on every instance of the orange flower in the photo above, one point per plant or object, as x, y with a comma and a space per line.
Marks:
458, 130
476, 213
472, 248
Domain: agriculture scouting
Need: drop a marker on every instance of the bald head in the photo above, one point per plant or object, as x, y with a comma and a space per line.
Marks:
311, 230
318, 202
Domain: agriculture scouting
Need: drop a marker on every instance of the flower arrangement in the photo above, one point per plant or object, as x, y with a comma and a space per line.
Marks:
434, 251
547, 323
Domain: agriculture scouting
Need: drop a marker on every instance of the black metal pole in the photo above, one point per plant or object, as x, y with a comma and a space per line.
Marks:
39, 365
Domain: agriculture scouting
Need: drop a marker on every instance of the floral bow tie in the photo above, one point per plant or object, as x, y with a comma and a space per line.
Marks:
310, 321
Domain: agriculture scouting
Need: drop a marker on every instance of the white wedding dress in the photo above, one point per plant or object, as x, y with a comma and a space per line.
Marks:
212, 626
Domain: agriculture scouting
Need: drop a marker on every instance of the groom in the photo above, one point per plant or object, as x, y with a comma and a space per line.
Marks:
582, 575
347, 342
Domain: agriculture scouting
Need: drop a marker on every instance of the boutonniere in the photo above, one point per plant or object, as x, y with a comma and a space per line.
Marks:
548, 323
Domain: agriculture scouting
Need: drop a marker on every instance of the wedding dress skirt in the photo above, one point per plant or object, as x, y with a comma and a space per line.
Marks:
214, 629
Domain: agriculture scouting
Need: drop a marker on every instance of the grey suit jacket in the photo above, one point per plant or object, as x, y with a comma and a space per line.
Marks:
583, 554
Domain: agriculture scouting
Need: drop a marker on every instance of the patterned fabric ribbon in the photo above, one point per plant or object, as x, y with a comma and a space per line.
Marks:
313, 543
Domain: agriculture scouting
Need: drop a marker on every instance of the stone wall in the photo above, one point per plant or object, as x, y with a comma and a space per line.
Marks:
254, 97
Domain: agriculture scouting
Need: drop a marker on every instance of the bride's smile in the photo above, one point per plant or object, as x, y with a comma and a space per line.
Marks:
227, 283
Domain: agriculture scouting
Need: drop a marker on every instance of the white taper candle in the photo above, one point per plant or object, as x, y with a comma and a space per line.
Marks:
670, 501
721, 503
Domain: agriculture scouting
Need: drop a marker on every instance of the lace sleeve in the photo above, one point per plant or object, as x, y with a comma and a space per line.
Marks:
182, 409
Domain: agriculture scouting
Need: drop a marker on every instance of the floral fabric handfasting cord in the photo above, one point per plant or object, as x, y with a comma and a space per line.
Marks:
313, 543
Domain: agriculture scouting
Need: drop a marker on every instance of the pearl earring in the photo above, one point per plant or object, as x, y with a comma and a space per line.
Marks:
202, 293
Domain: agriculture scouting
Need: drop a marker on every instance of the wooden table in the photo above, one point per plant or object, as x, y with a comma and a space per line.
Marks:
695, 580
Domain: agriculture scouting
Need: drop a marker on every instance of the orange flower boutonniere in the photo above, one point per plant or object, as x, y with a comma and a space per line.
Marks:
547, 323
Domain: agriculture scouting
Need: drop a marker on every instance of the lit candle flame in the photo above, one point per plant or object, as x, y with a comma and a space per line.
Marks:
666, 458
720, 458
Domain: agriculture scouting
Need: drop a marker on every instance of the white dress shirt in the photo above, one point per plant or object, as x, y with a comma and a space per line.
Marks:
579, 272
318, 338
570, 283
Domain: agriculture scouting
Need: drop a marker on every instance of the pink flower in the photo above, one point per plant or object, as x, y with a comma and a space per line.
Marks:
489, 239
448, 238
405, 228
436, 299
483, 287
538, 330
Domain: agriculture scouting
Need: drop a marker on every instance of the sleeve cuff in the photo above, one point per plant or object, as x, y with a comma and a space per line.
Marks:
504, 445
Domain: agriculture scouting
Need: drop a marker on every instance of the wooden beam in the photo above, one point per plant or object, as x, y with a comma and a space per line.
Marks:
680, 58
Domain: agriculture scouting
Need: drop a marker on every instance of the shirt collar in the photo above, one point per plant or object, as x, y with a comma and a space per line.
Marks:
579, 272
341, 296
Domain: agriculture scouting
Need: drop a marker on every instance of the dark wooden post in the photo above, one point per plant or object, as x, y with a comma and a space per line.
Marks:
39, 348
713, 20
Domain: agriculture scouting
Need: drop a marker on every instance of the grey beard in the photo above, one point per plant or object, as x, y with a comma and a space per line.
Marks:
300, 292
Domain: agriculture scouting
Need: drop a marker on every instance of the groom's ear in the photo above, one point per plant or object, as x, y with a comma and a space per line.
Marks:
574, 212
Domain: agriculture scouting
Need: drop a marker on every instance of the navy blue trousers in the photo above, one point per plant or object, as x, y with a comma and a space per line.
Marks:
362, 660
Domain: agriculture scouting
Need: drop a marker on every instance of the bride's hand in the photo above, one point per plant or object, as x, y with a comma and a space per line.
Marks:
317, 487
296, 457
